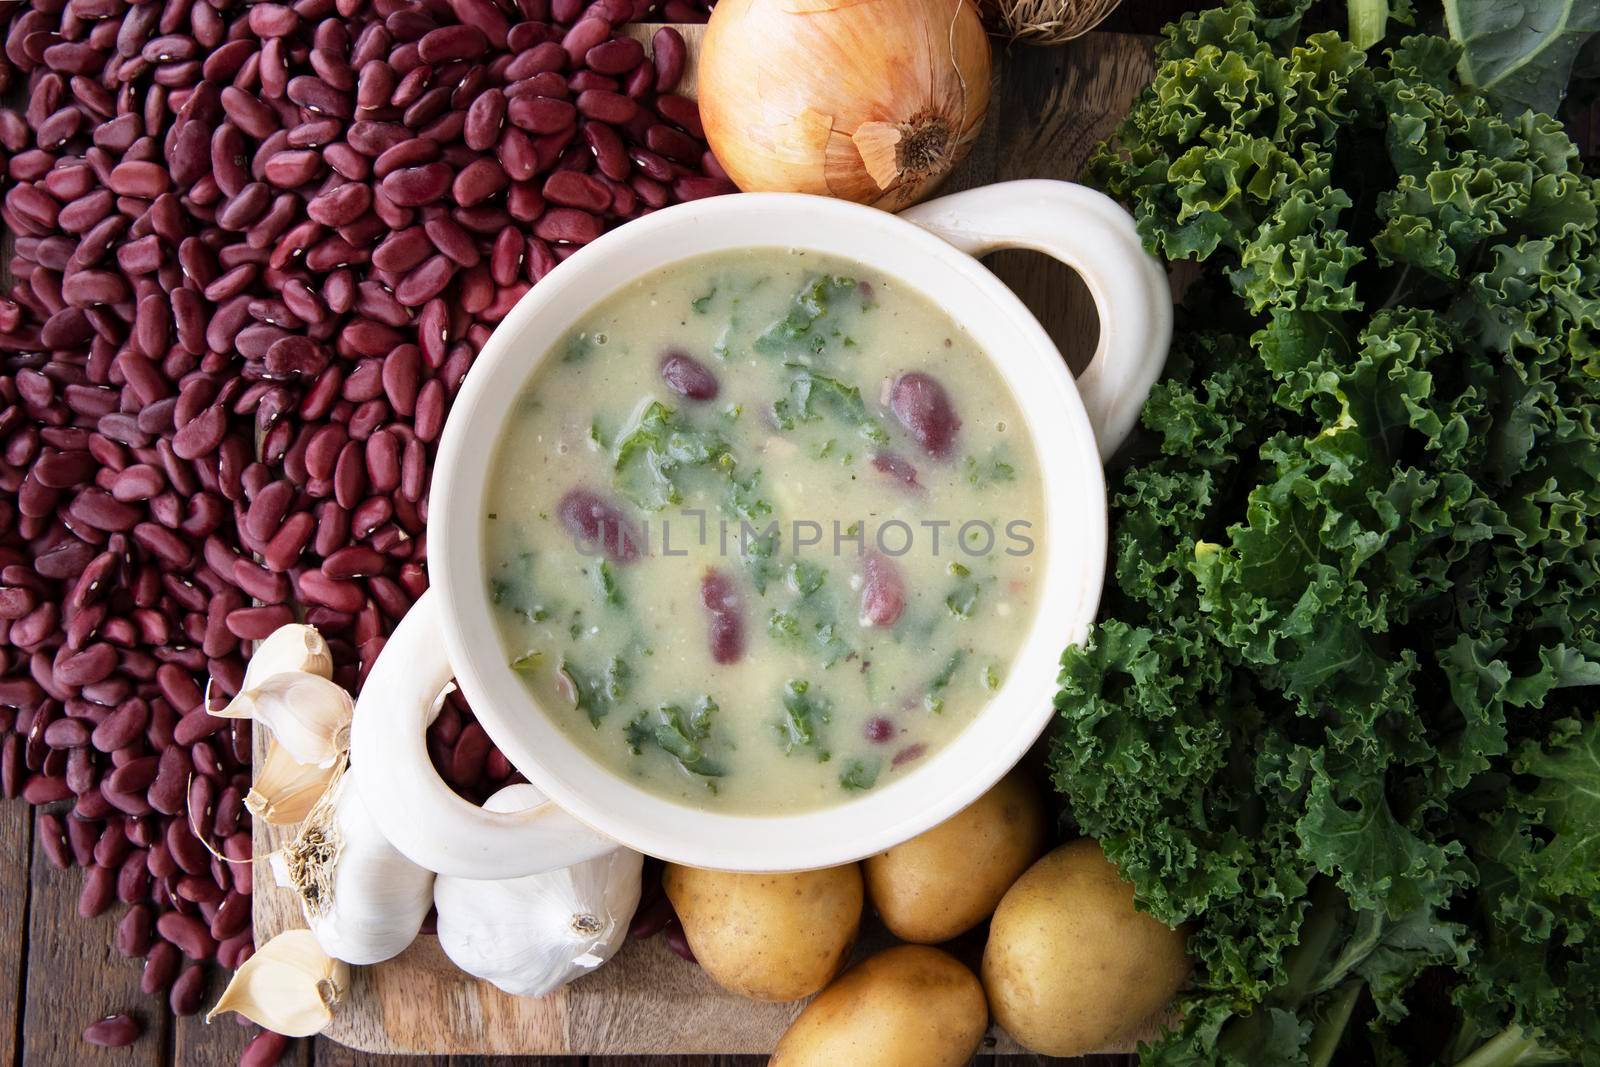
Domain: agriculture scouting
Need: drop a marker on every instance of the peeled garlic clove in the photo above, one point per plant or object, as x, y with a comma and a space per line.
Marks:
307, 714
285, 791
530, 936
362, 898
290, 986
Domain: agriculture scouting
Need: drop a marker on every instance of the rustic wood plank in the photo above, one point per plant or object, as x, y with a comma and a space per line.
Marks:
75, 977
684, 1010
667, 1061
194, 1041
692, 34
328, 1053
16, 843
645, 1000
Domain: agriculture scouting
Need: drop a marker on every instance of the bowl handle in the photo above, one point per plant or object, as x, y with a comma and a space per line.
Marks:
1093, 235
411, 804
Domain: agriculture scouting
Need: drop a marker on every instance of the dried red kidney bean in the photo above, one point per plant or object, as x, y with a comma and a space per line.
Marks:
687, 376
677, 940
247, 215
670, 55
134, 931
99, 892
189, 934
53, 841
112, 846
264, 1050
82, 836
133, 878
923, 407
114, 1031
594, 522
723, 603
160, 968
188, 992
883, 594
232, 953
651, 917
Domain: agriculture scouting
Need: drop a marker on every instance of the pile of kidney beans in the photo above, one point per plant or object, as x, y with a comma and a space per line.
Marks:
257, 248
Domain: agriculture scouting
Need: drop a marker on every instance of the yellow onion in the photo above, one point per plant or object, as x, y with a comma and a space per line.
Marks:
869, 100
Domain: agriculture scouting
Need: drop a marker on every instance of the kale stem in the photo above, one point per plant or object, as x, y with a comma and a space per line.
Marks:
1399, 287
1369, 21
1316, 934
1513, 1045
1330, 1029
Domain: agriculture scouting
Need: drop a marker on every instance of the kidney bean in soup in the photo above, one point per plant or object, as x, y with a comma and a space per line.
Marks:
764, 531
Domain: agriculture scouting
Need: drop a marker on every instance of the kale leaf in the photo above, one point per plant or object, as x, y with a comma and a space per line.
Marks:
512, 588
933, 700
812, 395
1338, 712
860, 774
681, 735
1521, 55
597, 692
810, 330
653, 452
804, 712
810, 617
605, 582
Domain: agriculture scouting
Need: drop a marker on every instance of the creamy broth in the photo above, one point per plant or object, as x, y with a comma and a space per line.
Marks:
645, 596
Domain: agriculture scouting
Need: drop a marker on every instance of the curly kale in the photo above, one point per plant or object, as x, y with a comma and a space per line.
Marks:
1339, 712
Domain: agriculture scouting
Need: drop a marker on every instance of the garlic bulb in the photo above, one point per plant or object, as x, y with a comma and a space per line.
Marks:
530, 936
290, 986
868, 100
363, 900
307, 714
284, 791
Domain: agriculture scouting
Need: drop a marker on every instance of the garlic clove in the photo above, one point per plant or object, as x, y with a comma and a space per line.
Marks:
290, 986
285, 791
363, 899
278, 864
307, 714
292, 647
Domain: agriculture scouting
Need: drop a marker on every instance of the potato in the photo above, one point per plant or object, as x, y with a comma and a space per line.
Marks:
768, 936
908, 1006
946, 881
1070, 966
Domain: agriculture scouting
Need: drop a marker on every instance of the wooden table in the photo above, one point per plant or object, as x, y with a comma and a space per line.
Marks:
58, 972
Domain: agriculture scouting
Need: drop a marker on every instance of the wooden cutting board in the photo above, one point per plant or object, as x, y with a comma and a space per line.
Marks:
1050, 107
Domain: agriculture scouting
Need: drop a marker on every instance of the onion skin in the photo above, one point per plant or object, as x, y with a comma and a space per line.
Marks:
867, 100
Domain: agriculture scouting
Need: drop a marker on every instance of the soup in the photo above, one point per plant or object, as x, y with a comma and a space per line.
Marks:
763, 531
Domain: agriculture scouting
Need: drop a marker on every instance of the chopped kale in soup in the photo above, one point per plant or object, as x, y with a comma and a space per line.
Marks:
764, 532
